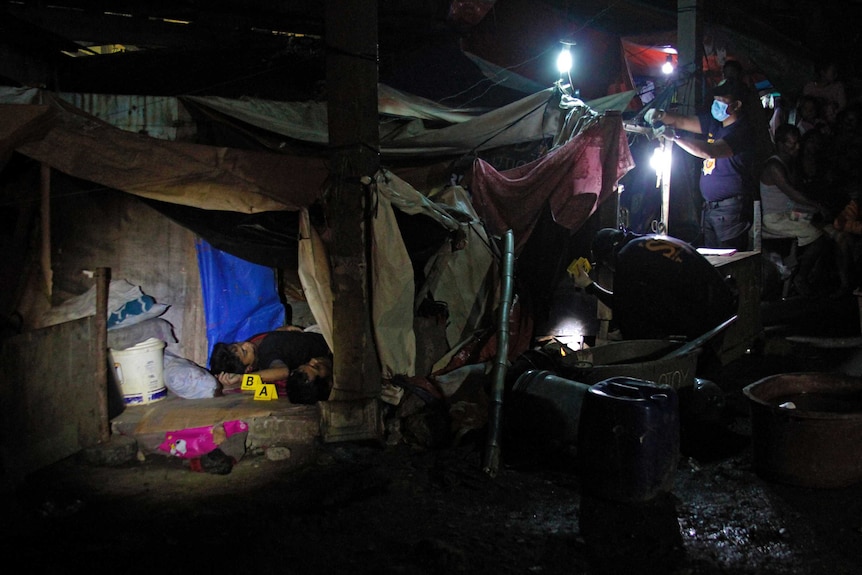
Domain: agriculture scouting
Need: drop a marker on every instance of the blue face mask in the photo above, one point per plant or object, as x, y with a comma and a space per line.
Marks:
719, 110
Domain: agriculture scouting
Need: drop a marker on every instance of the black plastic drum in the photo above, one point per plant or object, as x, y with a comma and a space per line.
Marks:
628, 439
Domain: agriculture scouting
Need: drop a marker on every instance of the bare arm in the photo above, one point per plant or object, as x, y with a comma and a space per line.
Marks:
267, 375
695, 147
581, 278
703, 149
679, 121
775, 175
603, 295
271, 374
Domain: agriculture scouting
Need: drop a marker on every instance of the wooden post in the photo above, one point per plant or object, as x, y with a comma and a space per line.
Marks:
608, 214
103, 279
690, 49
45, 259
351, 84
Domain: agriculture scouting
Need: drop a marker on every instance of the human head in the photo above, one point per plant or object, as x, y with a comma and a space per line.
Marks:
732, 69
809, 108
606, 245
827, 71
310, 382
232, 357
848, 119
729, 95
812, 146
787, 140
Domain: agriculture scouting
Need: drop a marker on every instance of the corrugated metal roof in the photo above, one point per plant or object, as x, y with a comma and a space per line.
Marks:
156, 116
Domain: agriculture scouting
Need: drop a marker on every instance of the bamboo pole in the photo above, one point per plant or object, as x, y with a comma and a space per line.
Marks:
498, 375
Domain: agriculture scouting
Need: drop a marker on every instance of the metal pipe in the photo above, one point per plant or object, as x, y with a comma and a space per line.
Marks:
498, 375
667, 152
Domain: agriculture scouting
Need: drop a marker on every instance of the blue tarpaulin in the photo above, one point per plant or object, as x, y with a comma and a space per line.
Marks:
240, 298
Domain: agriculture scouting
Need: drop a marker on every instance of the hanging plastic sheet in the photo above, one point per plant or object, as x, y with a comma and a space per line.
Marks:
240, 298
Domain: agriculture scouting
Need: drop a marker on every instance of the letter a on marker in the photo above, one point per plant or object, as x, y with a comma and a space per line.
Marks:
266, 392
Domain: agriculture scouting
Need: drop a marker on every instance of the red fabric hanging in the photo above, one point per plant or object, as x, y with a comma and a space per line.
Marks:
572, 180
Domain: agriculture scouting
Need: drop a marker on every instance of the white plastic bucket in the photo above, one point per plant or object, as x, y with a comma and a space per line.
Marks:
140, 371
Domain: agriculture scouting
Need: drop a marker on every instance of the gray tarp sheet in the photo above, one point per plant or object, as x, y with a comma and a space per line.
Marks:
220, 178
207, 177
526, 120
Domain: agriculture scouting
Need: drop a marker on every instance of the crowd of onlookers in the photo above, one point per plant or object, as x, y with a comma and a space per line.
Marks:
818, 147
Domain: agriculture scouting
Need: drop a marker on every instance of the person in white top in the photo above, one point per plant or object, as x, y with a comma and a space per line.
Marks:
786, 211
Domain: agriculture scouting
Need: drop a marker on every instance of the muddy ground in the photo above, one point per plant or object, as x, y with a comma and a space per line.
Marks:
372, 508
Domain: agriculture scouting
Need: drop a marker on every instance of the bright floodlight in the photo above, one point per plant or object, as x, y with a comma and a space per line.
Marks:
564, 60
667, 67
660, 160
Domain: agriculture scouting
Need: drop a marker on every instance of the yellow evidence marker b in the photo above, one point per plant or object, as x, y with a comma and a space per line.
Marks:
266, 392
251, 382
573, 267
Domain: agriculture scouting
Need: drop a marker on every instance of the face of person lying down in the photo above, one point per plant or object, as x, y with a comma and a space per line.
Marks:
316, 368
245, 351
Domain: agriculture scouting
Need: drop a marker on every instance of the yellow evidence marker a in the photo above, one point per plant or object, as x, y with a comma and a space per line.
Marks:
266, 392
573, 267
251, 382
